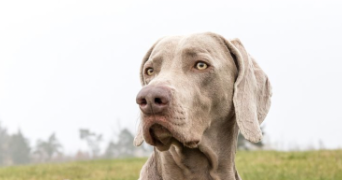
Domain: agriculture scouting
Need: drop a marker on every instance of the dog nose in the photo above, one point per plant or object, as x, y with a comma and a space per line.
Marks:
153, 99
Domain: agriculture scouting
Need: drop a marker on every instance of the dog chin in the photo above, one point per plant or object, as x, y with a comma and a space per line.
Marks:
162, 138
159, 136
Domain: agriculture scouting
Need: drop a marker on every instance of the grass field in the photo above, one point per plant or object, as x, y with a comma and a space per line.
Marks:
254, 165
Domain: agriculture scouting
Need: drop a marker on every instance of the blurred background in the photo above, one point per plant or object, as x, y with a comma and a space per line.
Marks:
69, 71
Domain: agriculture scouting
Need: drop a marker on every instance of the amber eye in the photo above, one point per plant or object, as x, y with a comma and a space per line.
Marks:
201, 66
149, 71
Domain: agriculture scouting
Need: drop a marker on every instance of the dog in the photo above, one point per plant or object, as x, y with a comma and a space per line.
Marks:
198, 92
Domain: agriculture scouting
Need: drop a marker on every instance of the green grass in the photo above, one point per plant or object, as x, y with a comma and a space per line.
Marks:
253, 165
272, 165
125, 169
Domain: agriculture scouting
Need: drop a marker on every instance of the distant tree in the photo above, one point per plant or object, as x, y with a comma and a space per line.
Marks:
111, 150
123, 147
125, 143
4, 138
93, 140
19, 149
48, 148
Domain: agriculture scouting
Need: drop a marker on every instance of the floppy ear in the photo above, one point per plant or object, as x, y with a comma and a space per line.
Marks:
139, 139
252, 92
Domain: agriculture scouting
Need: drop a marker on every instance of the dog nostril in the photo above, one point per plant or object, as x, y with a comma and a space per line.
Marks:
142, 102
158, 101
161, 101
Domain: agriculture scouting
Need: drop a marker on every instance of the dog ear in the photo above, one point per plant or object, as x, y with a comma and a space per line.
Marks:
252, 92
139, 139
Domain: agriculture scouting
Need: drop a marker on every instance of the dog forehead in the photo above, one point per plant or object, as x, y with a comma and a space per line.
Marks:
172, 46
166, 46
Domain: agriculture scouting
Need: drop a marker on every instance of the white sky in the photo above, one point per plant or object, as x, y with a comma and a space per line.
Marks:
66, 65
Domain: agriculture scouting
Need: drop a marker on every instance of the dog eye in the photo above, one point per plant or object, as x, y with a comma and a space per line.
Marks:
149, 71
201, 66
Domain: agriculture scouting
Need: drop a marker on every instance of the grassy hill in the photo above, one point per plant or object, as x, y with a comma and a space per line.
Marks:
253, 165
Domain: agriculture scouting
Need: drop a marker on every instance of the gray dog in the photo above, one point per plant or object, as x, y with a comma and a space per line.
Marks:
198, 92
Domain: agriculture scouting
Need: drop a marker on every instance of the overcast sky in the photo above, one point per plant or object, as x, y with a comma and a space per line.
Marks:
66, 65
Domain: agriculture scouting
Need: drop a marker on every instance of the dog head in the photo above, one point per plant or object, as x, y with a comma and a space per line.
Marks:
189, 82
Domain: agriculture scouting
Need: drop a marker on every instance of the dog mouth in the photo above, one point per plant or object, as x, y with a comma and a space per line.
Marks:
160, 137
160, 133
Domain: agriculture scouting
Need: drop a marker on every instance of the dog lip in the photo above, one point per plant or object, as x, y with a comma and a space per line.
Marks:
161, 137
158, 131
157, 134
192, 144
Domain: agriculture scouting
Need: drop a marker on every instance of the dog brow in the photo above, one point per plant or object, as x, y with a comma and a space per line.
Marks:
193, 52
157, 60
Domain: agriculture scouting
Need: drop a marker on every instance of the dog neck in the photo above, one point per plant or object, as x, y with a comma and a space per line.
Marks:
213, 159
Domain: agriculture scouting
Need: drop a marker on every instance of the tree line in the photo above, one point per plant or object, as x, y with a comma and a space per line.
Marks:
16, 149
